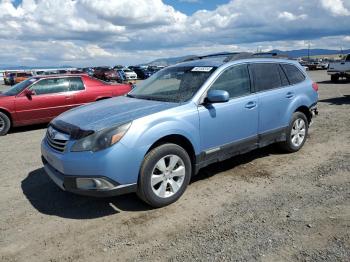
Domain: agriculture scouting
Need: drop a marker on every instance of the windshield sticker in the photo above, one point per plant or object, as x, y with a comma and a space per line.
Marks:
202, 69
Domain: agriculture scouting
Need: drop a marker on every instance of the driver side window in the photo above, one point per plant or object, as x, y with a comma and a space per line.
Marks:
235, 80
50, 86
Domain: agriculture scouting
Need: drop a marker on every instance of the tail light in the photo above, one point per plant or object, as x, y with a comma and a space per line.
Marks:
315, 86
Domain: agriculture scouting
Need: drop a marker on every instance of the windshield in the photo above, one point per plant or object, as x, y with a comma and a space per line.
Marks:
16, 89
173, 84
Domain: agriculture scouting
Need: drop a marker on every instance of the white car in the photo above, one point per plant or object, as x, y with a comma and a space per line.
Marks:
339, 69
129, 74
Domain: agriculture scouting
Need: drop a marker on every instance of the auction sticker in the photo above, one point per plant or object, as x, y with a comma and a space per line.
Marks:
202, 69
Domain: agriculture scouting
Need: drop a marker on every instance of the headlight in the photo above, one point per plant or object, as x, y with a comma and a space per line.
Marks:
101, 140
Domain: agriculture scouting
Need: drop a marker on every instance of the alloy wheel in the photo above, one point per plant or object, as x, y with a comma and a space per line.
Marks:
168, 176
2, 124
298, 132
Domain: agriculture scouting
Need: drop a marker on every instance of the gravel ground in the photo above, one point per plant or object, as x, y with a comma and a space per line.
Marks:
262, 206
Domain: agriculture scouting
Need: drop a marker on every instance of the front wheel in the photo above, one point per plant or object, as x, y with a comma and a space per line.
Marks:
164, 175
296, 134
5, 124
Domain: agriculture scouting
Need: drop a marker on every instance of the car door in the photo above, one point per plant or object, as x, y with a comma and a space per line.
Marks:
78, 93
50, 98
274, 96
230, 127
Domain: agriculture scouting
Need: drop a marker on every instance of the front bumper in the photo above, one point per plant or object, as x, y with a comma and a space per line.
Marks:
68, 183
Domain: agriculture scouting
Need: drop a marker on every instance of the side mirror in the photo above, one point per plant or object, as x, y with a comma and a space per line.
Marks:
217, 96
29, 93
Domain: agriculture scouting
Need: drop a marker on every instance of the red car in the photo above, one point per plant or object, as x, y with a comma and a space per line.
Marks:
39, 99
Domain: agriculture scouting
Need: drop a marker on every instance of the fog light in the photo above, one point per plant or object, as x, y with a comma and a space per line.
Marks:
93, 184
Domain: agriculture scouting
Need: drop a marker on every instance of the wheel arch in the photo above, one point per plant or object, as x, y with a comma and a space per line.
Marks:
7, 113
179, 140
305, 110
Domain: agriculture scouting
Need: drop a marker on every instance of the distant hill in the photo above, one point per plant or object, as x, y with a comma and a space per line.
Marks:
291, 54
313, 52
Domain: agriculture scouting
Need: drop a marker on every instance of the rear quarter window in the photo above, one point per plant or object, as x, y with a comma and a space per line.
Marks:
293, 73
76, 84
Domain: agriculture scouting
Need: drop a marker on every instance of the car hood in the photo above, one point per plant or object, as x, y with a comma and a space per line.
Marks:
110, 112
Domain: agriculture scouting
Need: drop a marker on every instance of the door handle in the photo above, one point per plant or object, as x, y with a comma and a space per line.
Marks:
289, 95
250, 105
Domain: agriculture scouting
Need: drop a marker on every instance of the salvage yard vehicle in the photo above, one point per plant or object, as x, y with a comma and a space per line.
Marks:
129, 74
142, 73
21, 76
39, 99
176, 122
106, 74
339, 69
8, 78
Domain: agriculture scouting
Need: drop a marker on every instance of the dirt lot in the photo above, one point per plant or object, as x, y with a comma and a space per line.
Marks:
264, 206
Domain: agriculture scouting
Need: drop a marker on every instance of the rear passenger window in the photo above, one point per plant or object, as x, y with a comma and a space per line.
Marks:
75, 84
266, 76
234, 80
294, 75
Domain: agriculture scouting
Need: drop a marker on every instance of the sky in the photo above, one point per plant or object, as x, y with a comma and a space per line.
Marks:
110, 32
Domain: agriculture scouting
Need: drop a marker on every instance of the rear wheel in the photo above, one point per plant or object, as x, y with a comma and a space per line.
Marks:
164, 175
296, 133
334, 78
5, 124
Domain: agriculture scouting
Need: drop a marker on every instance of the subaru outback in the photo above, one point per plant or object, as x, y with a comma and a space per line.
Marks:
183, 118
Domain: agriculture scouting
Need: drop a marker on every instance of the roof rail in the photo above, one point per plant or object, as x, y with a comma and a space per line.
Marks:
237, 55
247, 55
208, 56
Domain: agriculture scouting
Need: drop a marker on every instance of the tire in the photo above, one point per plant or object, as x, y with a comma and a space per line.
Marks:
334, 78
167, 187
297, 128
5, 124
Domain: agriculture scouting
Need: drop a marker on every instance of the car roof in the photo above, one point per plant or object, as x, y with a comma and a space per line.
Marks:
59, 75
217, 61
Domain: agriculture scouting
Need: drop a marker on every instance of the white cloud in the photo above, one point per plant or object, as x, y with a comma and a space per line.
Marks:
115, 31
290, 17
336, 7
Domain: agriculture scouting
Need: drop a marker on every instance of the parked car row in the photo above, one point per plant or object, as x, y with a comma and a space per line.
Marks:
314, 65
122, 74
15, 77
118, 73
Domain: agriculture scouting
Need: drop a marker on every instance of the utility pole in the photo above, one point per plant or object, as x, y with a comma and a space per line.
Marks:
308, 52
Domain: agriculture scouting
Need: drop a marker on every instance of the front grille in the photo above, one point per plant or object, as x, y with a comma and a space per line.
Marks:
56, 140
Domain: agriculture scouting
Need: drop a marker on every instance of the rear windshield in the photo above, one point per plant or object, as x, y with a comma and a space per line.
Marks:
173, 84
